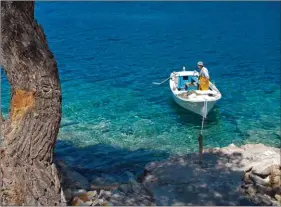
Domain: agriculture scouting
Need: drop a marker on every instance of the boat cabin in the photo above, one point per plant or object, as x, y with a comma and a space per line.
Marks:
187, 83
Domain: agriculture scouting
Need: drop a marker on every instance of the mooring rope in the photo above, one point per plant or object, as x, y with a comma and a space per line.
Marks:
204, 115
200, 137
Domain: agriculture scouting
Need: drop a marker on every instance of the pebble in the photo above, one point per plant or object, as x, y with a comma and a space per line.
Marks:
91, 194
95, 202
101, 193
76, 201
277, 197
251, 190
100, 201
107, 193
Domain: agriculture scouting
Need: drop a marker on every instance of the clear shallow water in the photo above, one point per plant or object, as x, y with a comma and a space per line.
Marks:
108, 55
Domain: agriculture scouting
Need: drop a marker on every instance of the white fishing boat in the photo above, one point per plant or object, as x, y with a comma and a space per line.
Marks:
184, 87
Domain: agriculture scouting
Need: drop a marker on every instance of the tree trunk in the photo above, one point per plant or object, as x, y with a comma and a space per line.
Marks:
28, 174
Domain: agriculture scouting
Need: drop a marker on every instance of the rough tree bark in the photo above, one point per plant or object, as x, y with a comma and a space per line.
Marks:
28, 175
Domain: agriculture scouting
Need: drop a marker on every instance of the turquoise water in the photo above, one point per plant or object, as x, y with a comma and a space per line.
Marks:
108, 55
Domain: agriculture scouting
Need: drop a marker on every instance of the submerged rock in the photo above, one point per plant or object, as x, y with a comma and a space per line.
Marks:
70, 177
90, 198
130, 194
72, 182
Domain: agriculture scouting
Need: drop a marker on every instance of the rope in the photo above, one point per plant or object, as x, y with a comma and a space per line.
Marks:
161, 82
200, 137
204, 115
164, 80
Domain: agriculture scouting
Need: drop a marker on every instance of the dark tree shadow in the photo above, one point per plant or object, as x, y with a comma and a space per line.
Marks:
183, 181
106, 163
172, 181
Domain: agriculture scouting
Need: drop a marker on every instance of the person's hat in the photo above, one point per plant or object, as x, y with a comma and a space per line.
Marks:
200, 63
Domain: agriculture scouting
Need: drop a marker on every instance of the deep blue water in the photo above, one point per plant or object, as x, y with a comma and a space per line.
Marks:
109, 53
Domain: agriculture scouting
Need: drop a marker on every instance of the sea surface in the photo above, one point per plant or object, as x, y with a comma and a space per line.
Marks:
109, 53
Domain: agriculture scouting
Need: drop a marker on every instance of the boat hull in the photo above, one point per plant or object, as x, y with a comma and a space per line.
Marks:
196, 107
187, 96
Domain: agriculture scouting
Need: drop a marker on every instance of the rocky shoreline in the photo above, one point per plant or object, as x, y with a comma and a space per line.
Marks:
246, 175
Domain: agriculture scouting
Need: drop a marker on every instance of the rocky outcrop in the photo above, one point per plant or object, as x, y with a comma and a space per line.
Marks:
246, 175
79, 192
217, 181
263, 184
